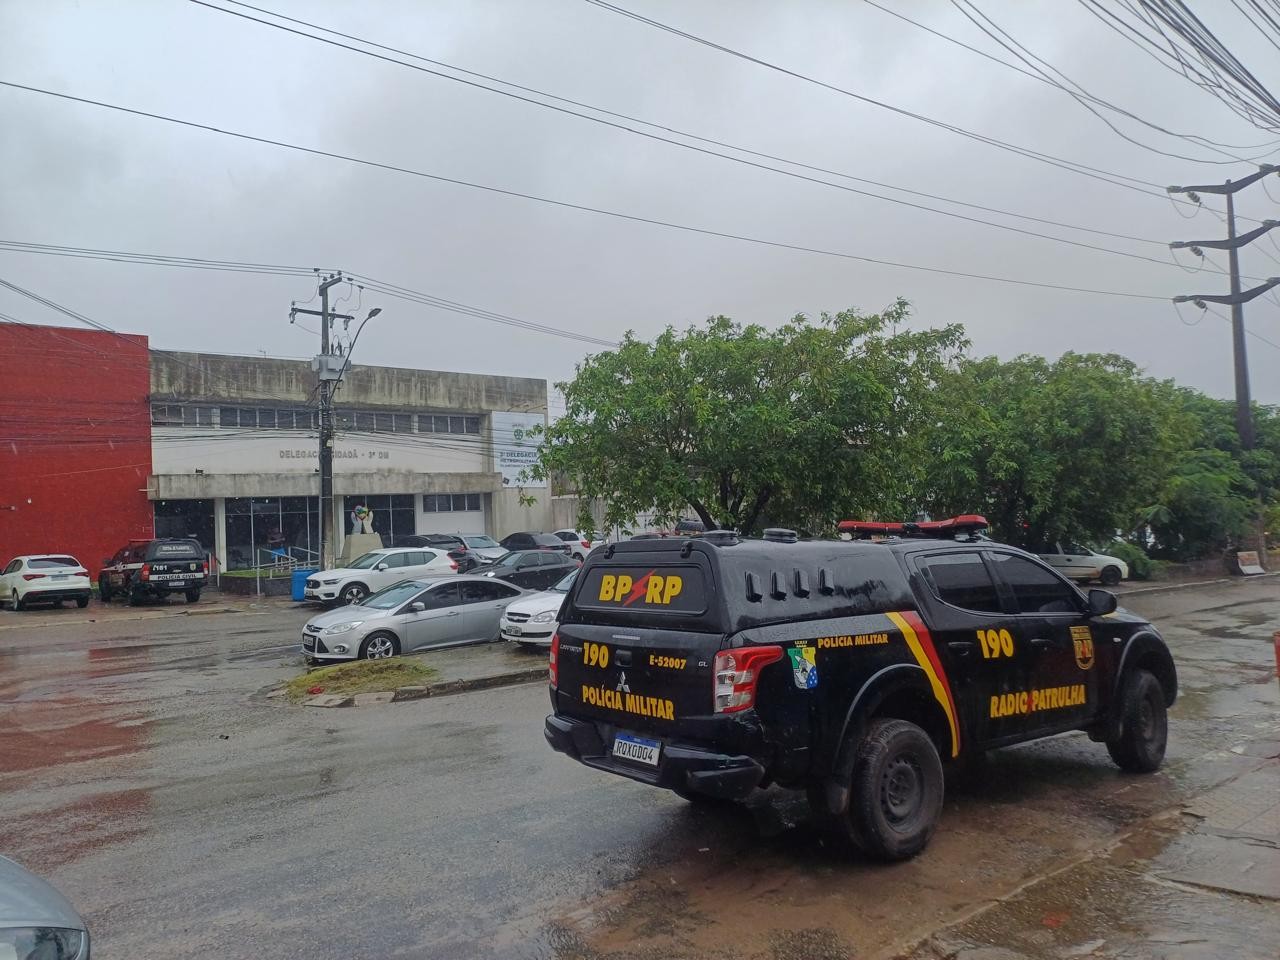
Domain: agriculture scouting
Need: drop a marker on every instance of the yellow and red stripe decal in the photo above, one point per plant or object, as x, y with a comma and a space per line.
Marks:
921, 645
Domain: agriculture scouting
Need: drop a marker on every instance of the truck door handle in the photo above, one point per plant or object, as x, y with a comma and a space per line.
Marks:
1041, 642
961, 648
452, 613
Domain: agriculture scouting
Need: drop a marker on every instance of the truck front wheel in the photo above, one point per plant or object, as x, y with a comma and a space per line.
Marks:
895, 798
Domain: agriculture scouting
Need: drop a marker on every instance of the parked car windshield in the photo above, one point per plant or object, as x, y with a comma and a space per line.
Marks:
564, 585
394, 595
44, 563
481, 543
366, 562
509, 560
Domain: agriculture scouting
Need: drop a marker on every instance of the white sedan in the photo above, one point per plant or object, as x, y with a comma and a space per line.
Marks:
375, 570
531, 621
1082, 564
45, 578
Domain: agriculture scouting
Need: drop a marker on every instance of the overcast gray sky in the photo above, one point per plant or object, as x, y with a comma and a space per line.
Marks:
79, 175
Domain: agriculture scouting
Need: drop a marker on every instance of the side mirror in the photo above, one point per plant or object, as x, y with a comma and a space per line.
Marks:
380, 567
417, 606
1101, 602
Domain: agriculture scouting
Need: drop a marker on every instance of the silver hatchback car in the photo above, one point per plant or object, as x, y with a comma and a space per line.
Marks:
410, 615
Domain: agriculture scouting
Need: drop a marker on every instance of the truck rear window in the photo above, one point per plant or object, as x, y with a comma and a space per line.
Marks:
679, 588
186, 550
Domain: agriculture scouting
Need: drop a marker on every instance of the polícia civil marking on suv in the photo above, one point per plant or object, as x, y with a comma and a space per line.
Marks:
853, 670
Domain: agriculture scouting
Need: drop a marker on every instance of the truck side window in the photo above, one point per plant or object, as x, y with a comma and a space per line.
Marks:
1037, 589
962, 580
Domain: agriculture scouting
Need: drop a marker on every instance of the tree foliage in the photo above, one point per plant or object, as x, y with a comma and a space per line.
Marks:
1046, 450
854, 415
801, 425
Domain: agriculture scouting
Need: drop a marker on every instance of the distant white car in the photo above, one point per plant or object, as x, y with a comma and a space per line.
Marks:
1078, 562
44, 578
373, 571
532, 620
580, 543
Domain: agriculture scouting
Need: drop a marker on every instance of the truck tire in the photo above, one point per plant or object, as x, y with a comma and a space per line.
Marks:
104, 590
193, 596
1143, 733
135, 597
895, 798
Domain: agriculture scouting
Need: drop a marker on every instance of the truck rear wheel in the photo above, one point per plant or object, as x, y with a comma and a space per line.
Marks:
895, 798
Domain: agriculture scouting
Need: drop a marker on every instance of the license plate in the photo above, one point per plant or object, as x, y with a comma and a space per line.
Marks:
636, 749
59, 576
177, 583
514, 631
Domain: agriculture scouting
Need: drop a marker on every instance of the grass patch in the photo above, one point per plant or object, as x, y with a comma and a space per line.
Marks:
360, 676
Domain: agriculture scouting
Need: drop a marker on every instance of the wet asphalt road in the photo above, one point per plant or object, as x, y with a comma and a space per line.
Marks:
142, 772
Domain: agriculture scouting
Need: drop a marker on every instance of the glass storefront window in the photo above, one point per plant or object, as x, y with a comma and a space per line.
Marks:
393, 514
185, 518
264, 531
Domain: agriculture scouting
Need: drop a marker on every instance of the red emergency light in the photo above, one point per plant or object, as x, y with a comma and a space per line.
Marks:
963, 525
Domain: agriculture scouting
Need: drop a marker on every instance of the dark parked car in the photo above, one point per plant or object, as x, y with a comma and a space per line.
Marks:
534, 541
152, 569
451, 543
530, 569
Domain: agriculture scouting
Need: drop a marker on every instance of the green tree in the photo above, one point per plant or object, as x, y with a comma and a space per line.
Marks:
1045, 450
804, 424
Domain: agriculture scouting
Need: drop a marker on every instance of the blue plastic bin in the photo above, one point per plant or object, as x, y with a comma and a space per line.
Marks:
300, 583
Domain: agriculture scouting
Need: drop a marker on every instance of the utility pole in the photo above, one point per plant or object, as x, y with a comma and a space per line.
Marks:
1236, 300
328, 368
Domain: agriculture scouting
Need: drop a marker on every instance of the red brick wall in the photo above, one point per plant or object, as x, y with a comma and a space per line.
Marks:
75, 441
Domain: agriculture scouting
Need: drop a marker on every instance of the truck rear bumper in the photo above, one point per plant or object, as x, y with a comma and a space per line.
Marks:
681, 768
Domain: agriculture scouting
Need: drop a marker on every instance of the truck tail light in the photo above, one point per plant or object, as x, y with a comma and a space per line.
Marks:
736, 674
206, 568
553, 664
34, 576
146, 571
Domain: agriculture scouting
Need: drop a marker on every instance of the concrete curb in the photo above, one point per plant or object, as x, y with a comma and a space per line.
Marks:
1167, 587
443, 689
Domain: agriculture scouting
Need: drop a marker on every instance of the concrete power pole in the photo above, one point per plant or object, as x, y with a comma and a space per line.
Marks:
1236, 299
328, 368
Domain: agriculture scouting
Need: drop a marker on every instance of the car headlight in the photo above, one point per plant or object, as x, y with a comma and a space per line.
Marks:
56, 943
546, 616
329, 583
342, 627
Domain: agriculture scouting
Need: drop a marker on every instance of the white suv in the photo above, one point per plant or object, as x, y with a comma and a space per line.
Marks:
375, 570
46, 578
580, 544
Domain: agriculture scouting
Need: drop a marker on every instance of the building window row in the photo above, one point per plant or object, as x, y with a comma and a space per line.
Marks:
273, 418
450, 502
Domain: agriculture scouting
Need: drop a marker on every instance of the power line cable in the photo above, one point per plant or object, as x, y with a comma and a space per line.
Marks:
1203, 141
1037, 64
1133, 183
582, 207
658, 126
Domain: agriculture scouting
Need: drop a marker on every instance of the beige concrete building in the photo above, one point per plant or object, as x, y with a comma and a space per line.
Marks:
235, 453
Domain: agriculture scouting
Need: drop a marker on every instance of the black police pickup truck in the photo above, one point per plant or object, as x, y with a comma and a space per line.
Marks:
147, 569
854, 670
